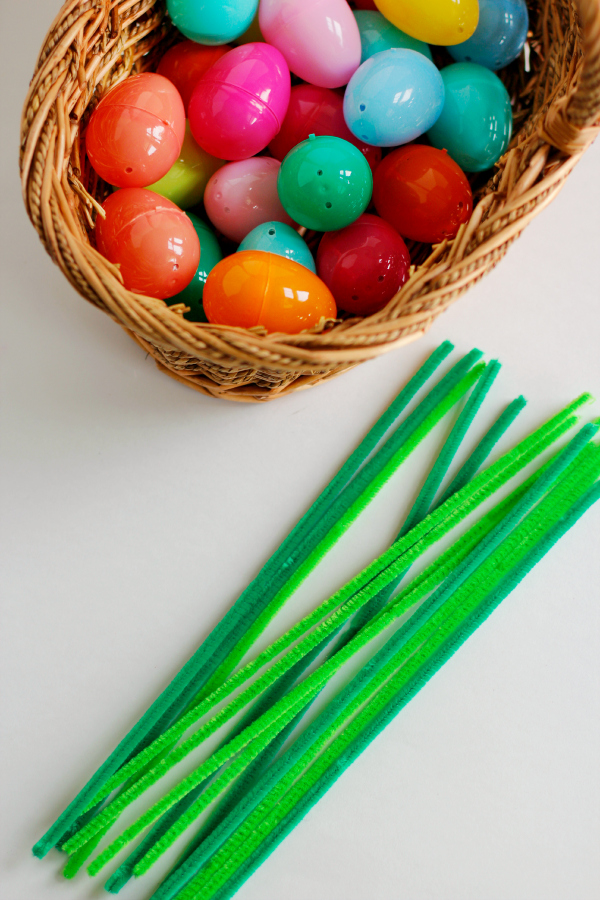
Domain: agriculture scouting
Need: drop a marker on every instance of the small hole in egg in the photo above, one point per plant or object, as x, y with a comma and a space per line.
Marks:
328, 204
461, 204
227, 209
129, 170
362, 107
320, 172
355, 297
381, 277
271, 231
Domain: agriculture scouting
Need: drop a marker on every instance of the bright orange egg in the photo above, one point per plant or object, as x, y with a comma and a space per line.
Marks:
257, 288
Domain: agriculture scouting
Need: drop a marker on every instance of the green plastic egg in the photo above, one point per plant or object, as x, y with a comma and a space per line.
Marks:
187, 178
475, 126
325, 183
210, 255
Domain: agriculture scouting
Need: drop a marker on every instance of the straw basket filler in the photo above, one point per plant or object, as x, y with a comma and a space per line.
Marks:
93, 44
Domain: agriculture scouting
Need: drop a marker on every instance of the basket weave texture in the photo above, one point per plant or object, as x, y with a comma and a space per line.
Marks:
93, 44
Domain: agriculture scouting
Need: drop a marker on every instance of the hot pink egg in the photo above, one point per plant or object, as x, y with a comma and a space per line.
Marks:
319, 39
238, 106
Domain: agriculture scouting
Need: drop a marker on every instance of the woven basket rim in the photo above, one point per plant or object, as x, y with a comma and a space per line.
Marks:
92, 44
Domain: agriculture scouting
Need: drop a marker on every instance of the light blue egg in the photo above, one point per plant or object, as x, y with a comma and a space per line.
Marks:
499, 36
393, 98
279, 238
212, 21
377, 34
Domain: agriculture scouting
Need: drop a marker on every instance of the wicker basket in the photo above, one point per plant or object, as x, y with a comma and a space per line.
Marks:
93, 44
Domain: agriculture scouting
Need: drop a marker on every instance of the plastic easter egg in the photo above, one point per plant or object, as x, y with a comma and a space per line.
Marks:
377, 34
393, 98
238, 106
319, 38
243, 195
135, 133
257, 288
276, 237
186, 180
364, 265
151, 240
442, 22
212, 21
364, 4
325, 183
210, 255
499, 36
422, 193
185, 64
317, 110
475, 126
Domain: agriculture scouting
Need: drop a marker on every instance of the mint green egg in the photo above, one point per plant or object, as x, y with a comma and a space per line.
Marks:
325, 183
279, 238
210, 255
475, 125
378, 34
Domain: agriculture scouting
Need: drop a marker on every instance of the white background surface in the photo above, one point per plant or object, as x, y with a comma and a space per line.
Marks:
134, 511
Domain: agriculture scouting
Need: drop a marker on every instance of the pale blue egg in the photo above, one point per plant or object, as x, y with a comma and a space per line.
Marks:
378, 34
393, 98
499, 36
279, 238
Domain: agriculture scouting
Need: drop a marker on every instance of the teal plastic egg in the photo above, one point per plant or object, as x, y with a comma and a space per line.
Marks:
210, 255
212, 21
279, 238
325, 183
499, 36
475, 125
377, 34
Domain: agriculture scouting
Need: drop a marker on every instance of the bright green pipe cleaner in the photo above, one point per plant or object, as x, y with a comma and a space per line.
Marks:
521, 541
281, 712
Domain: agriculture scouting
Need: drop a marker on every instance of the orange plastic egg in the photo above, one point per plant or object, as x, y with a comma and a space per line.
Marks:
257, 288
136, 132
152, 241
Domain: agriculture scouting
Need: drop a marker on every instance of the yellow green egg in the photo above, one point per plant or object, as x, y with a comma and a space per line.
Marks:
187, 178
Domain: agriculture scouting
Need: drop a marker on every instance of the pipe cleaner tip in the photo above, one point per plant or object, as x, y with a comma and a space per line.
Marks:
41, 848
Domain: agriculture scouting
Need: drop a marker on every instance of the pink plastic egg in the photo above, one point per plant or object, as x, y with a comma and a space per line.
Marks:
152, 241
136, 132
320, 111
238, 106
243, 195
319, 39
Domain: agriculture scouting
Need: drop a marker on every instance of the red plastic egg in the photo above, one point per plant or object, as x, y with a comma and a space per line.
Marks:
319, 111
185, 64
364, 4
152, 241
364, 265
136, 132
423, 193
253, 287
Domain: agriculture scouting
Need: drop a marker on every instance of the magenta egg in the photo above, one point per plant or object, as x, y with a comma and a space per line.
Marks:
243, 195
319, 39
239, 104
